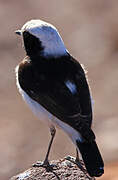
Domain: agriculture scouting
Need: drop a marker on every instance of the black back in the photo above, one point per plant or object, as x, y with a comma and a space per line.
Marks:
44, 80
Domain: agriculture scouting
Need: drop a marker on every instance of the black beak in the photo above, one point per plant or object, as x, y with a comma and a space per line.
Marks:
18, 32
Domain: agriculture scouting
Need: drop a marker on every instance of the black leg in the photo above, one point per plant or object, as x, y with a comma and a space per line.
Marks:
46, 162
52, 131
77, 156
76, 160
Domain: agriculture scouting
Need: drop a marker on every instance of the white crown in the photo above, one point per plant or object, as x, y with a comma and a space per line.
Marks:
48, 35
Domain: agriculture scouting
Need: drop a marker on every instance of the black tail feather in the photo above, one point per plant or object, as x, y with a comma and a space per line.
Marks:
92, 158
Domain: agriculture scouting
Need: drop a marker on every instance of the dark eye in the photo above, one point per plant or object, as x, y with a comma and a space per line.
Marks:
26, 34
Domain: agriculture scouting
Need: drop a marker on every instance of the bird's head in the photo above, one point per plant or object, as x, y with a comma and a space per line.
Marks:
41, 38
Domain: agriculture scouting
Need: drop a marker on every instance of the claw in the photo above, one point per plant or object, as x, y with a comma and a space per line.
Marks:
46, 165
75, 161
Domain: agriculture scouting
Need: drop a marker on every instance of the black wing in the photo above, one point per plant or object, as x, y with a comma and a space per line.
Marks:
60, 86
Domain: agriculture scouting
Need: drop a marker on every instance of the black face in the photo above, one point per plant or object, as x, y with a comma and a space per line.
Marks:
33, 45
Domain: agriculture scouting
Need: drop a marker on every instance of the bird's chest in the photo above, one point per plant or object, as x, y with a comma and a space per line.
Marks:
36, 108
32, 79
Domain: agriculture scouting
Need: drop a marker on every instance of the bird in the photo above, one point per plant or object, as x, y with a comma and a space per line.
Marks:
55, 86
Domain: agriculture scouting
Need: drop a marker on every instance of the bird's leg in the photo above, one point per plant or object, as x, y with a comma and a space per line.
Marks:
46, 162
76, 160
52, 131
77, 156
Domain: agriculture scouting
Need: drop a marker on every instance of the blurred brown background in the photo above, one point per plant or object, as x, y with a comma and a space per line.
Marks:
90, 32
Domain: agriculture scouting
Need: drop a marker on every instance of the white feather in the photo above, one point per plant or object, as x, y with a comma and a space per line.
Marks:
46, 116
71, 86
48, 35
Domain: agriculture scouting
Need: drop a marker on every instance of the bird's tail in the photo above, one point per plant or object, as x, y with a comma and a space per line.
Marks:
91, 157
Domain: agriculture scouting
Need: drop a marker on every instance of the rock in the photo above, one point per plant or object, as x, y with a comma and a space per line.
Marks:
62, 170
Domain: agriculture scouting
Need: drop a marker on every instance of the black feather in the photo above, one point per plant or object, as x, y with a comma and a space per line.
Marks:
92, 158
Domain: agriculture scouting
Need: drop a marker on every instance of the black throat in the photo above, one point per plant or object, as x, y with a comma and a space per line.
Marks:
33, 45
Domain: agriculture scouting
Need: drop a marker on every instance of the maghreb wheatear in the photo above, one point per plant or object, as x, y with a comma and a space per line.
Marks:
54, 85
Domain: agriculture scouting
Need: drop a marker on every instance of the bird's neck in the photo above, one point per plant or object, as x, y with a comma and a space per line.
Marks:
39, 58
54, 49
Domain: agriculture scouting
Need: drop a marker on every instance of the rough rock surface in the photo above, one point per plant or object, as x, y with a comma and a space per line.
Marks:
62, 170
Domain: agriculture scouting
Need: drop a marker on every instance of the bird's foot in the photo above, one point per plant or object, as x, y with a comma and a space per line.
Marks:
45, 164
75, 161
79, 164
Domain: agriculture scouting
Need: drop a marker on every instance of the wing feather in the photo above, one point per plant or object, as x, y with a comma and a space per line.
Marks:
60, 86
